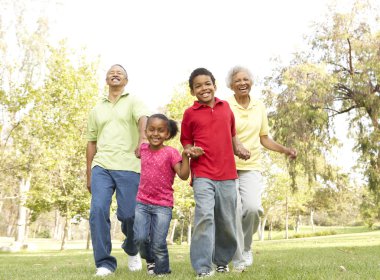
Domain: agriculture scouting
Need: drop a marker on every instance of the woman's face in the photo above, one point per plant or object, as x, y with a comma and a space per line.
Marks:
241, 83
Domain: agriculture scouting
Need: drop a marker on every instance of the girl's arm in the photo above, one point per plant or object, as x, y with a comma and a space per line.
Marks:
183, 168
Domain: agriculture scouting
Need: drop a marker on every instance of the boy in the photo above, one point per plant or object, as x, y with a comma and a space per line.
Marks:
210, 124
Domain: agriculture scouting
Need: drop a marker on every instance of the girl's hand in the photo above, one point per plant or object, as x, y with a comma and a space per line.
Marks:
194, 152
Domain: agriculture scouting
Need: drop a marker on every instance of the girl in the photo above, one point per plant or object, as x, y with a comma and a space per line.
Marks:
159, 164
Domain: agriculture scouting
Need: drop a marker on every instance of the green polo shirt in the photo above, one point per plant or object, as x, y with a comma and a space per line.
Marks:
114, 126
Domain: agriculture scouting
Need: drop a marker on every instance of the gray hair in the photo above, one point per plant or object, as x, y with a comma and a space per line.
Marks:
234, 71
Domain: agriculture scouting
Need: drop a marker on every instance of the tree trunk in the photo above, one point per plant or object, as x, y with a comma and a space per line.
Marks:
88, 237
20, 238
259, 233
57, 227
182, 226
171, 239
312, 219
263, 223
189, 233
65, 233
298, 223
113, 229
270, 229
286, 219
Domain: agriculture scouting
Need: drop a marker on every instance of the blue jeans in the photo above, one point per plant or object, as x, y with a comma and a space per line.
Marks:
103, 185
150, 230
214, 236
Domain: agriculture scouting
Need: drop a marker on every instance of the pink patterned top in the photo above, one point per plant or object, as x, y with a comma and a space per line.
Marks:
157, 175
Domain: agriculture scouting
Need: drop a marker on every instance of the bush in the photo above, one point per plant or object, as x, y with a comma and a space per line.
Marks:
43, 234
318, 233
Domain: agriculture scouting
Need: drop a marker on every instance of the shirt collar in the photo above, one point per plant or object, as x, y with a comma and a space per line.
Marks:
198, 105
253, 102
105, 96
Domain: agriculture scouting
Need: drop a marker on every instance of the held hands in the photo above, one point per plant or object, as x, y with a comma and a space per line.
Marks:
242, 152
193, 152
137, 150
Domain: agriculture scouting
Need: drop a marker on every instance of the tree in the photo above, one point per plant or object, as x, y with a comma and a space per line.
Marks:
338, 75
20, 76
183, 194
59, 118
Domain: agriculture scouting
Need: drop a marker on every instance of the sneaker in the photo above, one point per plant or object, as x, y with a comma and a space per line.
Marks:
150, 268
134, 263
205, 274
239, 268
103, 271
248, 257
222, 268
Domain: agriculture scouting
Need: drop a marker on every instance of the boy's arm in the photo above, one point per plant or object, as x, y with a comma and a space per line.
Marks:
239, 149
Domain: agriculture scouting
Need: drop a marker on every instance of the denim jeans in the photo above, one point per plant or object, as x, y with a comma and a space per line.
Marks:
103, 185
214, 236
250, 187
150, 230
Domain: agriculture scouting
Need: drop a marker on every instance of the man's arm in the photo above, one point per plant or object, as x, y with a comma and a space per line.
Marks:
142, 136
90, 153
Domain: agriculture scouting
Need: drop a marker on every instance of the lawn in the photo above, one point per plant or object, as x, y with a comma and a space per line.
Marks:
342, 256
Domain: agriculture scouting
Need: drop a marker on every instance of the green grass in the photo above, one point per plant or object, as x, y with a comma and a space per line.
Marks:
344, 256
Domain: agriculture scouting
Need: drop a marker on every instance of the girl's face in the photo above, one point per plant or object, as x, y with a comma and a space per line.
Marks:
241, 83
157, 132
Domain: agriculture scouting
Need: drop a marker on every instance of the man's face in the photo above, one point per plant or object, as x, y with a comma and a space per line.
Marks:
116, 76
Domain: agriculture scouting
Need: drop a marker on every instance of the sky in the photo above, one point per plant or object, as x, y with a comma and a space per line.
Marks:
161, 42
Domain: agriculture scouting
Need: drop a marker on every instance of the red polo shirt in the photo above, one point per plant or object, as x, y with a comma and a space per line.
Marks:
211, 129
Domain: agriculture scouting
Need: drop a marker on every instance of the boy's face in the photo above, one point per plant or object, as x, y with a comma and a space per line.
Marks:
204, 89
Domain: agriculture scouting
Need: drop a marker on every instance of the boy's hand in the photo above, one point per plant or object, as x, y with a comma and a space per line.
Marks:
194, 152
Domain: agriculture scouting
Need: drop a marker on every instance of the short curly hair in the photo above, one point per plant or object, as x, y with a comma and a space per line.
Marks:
234, 71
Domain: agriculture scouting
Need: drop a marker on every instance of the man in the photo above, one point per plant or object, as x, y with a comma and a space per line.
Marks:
115, 131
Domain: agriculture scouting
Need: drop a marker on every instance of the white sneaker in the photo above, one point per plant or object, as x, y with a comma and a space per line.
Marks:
248, 257
134, 263
103, 271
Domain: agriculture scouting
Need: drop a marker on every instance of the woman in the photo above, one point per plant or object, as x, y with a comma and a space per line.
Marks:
252, 130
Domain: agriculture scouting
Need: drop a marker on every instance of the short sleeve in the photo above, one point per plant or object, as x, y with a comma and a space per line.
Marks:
139, 109
264, 129
92, 130
186, 135
176, 157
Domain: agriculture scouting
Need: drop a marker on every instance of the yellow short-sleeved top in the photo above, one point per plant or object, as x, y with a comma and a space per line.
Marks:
114, 126
251, 123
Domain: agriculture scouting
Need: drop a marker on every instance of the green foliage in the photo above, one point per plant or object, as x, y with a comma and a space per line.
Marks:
58, 121
318, 233
369, 209
339, 74
183, 193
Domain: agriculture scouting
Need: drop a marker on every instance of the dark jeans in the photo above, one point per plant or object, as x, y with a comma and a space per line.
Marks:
103, 185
